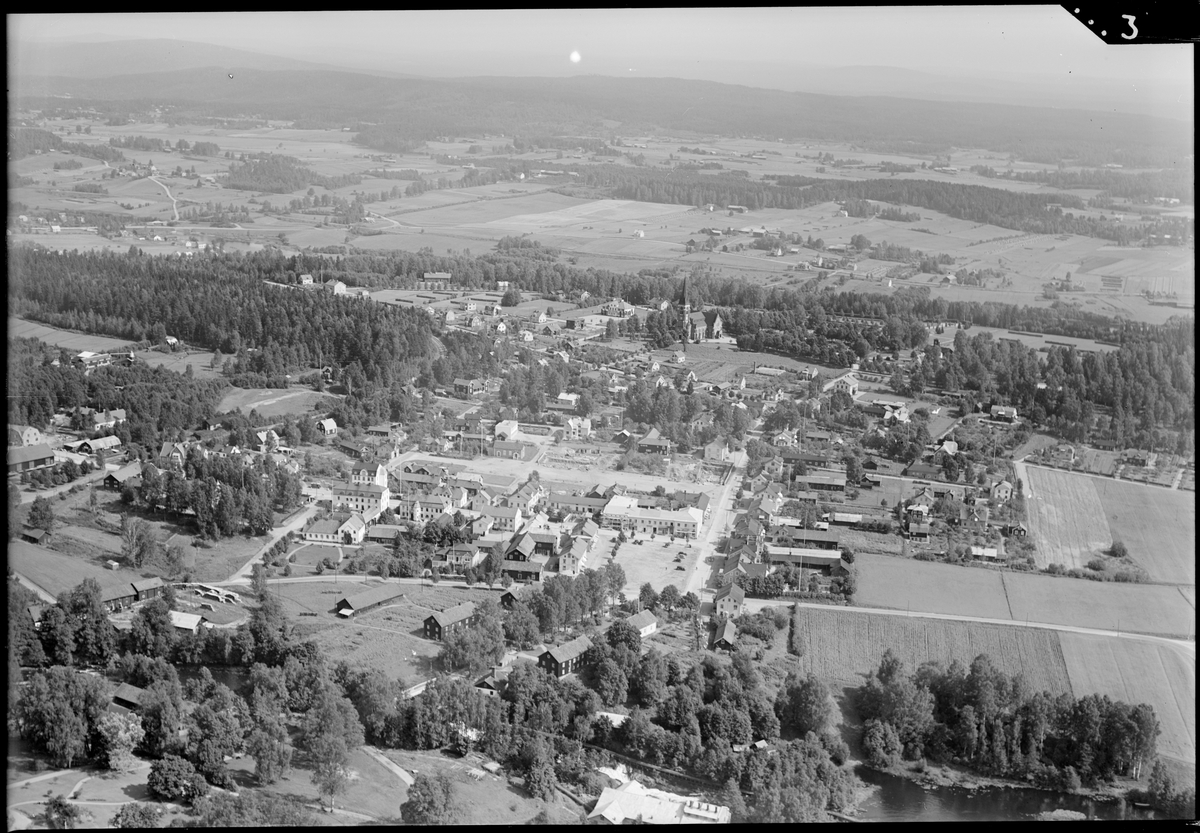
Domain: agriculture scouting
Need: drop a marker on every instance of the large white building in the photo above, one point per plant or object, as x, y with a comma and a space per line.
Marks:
368, 500
622, 512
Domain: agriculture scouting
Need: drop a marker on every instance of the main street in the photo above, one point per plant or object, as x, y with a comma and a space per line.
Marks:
723, 510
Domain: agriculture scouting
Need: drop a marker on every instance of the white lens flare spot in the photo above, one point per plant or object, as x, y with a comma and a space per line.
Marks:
576, 57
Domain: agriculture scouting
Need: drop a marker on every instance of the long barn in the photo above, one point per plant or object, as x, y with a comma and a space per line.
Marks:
368, 600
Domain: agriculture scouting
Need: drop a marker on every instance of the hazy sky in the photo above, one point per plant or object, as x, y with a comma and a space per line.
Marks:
700, 43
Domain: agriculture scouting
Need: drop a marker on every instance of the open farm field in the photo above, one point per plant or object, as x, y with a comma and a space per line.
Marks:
486, 209
900, 584
55, 572
64, 338
199, 361
1158, 526
1139, 608
271, 402
846, 645
1066, 518
96, 538
1139, 671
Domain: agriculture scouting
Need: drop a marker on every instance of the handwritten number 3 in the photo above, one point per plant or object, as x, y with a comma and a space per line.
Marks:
1130, 18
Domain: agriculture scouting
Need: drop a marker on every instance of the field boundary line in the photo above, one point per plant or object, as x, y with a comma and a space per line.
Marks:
1175, 696
1191, 604
1007, 600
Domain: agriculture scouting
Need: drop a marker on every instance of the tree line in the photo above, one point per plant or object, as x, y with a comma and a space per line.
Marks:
998, 725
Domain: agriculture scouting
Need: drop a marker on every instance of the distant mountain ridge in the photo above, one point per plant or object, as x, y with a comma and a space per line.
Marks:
422, 108
112, 58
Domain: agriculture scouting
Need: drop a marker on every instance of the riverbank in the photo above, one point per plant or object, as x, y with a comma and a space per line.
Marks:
929, 776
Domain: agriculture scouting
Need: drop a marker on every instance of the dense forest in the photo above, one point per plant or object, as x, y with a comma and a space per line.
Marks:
24, 141
220, 303
279, 174
1177, 182
1033, 213
158, 403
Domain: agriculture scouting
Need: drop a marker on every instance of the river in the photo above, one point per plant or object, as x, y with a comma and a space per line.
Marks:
899, 800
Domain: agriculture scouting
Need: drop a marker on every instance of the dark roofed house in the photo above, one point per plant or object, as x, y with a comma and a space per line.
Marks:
727, 636
517, 593
368, 600
128, 697
566, 658
30, 458
117, 597
148, 588
924, 471
34, 535
440, 624
131, 473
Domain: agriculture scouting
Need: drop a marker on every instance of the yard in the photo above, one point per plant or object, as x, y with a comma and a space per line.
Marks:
388, 638
490, 800
1157, 526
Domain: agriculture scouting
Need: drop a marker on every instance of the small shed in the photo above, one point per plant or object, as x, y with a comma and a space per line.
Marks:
726, 636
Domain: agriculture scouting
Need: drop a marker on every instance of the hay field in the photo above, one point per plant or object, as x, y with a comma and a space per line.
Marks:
1140, 608
270, 402
844, 645
1158, 526
482, 211
55, 572
1066, 518
900, 584
1138, 671
20, 328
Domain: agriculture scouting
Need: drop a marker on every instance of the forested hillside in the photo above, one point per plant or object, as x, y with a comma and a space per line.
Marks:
219, 303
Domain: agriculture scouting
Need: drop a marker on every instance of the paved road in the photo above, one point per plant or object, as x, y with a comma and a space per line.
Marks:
242, 576
722, 518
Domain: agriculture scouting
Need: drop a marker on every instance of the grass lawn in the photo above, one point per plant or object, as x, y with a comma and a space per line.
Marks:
389, 638
373, 790
490, 801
